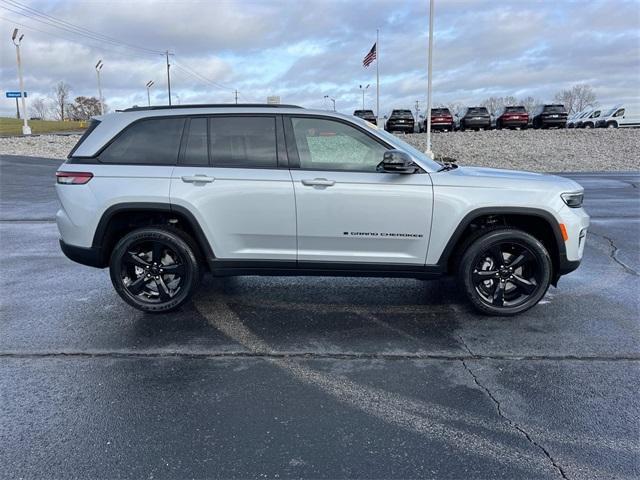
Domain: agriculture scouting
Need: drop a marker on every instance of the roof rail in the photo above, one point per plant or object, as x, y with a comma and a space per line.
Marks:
209, 105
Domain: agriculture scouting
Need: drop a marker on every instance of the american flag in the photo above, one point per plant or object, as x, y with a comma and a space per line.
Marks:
370, 57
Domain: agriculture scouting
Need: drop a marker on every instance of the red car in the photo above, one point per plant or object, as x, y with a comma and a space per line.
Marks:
441, 119
512, 117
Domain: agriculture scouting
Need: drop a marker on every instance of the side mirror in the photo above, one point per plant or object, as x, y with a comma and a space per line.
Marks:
396, 161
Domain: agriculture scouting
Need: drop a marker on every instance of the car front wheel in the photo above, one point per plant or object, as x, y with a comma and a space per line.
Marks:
155, 269
505, 272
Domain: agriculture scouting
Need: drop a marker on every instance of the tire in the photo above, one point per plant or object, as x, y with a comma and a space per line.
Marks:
504, 271
462, 127
147, 254
612, 125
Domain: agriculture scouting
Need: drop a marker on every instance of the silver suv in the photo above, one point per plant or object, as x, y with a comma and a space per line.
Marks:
161, 195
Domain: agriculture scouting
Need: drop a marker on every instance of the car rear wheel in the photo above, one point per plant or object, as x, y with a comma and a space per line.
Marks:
155, 269
505, 272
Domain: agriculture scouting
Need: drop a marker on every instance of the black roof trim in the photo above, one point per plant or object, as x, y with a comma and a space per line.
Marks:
209, 105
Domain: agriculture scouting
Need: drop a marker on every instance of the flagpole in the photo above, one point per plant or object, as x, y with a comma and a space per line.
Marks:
377, 76
429, 152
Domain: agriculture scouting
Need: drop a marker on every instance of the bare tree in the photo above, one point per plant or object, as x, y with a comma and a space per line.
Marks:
577, 98
510, 101
492, 104
529, 103
40, 108
84, 108
61, 92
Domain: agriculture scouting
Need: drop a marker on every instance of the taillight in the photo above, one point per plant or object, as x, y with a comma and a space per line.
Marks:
73, 178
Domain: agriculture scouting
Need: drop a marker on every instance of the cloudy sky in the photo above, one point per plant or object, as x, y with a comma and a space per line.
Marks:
303, 50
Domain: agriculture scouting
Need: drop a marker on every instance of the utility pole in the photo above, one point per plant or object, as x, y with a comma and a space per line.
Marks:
168, 77
99, 66
25, 126
17, 109
429, 75
236, 93
149, 85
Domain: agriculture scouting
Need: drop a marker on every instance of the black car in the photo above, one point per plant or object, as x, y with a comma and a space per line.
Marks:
551, 115
400, 121
367, 115
476, 118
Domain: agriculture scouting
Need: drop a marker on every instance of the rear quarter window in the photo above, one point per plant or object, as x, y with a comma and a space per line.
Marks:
146, 142
85, 135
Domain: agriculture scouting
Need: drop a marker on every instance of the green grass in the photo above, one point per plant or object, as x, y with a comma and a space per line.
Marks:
13, 126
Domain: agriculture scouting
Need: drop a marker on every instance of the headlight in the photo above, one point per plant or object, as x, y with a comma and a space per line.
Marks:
573, 200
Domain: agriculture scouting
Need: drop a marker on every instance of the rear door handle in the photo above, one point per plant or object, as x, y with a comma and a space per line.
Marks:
318, 182
198, 179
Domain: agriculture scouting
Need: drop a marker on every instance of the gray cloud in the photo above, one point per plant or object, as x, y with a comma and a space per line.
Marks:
302, 50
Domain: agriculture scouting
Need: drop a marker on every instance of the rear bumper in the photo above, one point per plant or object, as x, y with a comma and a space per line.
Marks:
514, 123
468, 123
555, 122
90, 256
401, 127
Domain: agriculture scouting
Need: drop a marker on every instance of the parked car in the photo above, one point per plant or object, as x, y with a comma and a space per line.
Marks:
589, 120
476, 118
574, 117
441, 119
512, 117
400, 121
620, 116
367, 115
550, 115
160, 195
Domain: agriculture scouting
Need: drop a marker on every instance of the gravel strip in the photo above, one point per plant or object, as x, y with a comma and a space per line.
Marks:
47, 146
539, 150
534, 150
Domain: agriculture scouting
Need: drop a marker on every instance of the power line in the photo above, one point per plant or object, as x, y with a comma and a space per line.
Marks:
51, 21
203, 78
64, 37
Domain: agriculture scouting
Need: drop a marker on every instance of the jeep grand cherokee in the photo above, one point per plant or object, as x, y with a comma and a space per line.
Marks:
162, 194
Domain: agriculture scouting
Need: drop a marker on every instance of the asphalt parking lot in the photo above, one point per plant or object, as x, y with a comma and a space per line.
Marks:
315, 377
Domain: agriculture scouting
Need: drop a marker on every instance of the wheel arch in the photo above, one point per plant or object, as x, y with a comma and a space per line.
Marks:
122, 218
540, 223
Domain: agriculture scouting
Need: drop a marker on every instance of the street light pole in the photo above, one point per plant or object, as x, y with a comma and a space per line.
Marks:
363, 92
429, 75
333, 100
99, 66
168, 77
25, 126
149, 85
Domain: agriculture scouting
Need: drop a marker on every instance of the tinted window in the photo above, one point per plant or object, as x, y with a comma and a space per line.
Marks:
243, 142
478, 111
195, 150
329, 145
515, 110
554, 108
440, 111
619, 113
152, 141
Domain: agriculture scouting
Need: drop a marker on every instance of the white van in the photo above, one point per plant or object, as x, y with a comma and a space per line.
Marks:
621, 115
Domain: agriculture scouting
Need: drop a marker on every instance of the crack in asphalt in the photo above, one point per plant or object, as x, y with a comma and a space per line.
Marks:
317, 355
511, 422
614, 254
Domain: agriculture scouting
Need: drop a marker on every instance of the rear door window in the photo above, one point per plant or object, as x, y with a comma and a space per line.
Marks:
195, 144
150, 141
243, 142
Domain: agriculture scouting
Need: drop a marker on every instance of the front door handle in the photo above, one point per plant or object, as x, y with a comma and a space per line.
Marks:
318, 182
198, 179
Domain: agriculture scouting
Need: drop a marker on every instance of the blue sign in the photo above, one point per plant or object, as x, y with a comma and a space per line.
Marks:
14, 94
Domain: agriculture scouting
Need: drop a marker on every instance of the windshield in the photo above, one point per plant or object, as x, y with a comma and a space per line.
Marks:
610, 112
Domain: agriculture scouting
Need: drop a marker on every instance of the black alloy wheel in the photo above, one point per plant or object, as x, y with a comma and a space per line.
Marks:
505, 272
154, 270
